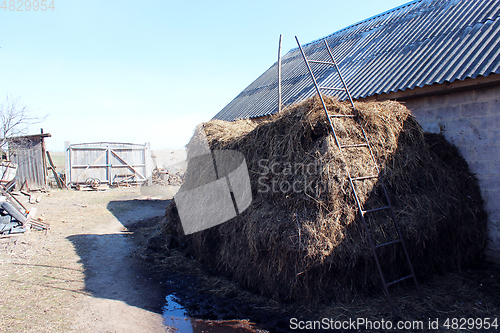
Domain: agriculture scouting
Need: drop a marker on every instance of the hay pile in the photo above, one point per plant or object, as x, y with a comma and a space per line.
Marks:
302, 239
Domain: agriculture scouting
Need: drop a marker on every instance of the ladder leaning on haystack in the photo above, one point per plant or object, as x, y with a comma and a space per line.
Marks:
365, 144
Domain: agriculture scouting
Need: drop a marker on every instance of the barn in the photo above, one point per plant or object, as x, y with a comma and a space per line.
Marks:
439, 57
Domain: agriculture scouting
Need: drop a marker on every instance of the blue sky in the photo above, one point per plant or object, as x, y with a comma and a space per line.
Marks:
149, 71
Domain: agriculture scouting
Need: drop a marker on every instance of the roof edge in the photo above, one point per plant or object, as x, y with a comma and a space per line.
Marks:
41, 135
469, 83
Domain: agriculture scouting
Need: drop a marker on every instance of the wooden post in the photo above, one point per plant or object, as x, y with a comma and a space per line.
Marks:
279, 75
67, 167
44, 162
109, 167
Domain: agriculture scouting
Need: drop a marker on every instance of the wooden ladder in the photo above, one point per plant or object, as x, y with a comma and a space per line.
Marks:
364, 144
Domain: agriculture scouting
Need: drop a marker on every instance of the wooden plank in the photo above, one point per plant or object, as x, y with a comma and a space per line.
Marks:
126, 164
12, 199
109, 171
59, 182
68, 163
88, 166
30, 216
44, 162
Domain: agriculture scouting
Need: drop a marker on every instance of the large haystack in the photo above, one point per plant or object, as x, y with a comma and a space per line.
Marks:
302, 239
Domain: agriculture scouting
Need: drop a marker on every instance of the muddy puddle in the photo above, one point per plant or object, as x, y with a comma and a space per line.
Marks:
197, 300
176, 316
195, 303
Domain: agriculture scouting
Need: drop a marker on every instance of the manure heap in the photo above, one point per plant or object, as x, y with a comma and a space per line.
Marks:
302, 238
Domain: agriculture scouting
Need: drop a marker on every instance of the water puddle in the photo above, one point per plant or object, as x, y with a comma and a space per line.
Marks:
177, 317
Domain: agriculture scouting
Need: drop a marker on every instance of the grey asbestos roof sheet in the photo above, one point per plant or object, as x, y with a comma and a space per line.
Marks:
417, 44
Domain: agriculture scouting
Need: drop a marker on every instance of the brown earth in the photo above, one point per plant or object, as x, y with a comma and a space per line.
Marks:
86, 273
97, 270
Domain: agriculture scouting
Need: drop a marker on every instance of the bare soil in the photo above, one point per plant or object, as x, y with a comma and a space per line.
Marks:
101, 268
85, 274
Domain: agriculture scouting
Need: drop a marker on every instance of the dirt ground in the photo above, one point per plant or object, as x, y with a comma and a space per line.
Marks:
100, 269
86, 273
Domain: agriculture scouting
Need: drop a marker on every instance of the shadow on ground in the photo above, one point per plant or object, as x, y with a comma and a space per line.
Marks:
111, 258
115, 268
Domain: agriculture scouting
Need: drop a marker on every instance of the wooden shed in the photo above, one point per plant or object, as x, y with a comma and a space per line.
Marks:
109, 163
28, 152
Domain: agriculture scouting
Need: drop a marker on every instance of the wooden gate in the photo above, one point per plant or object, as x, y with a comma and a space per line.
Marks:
109, 163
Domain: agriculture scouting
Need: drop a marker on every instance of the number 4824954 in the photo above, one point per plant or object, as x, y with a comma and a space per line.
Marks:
26, 5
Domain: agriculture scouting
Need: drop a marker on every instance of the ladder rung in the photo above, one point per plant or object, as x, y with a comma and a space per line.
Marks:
399, 280
375, 209
352, 146
363, 212
342, 115
332, 88
388, 243
322, 62
365, 177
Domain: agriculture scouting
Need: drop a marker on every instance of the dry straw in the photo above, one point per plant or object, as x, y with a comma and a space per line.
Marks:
307, 243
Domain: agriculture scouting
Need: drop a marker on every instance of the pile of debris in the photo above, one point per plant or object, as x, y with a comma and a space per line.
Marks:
307, 243
14, 216
164, 177
11, 220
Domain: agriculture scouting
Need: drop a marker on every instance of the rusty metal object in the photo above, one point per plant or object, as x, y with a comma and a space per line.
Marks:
93, 183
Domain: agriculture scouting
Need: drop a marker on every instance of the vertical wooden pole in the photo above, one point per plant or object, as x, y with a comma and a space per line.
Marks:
44, 163
109, 168
279, 75
67, 166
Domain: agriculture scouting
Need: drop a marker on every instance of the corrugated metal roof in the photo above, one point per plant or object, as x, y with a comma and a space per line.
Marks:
417, 44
